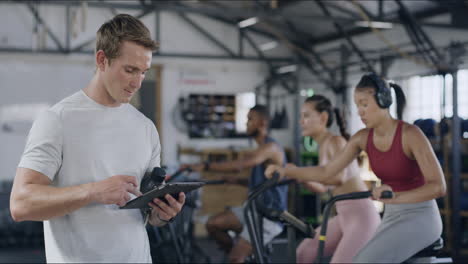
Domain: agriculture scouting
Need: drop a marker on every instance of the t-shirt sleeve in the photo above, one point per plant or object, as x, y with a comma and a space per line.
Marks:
156, 149
43, 150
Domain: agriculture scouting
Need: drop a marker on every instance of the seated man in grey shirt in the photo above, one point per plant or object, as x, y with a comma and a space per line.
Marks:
86, 156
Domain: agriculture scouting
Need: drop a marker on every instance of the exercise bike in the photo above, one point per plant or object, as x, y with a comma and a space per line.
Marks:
253, 210
253, 213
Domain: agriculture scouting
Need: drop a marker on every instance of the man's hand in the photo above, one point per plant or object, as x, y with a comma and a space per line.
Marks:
377, 192
271, 169
114, 190
163, 212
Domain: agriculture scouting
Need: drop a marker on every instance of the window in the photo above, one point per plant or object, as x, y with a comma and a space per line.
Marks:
244, 101
425, 97
462, 95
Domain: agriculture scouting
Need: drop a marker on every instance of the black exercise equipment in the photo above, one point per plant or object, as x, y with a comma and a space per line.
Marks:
152, 179
175, 242
327, 210
427, 255
292, 222
26, 234
254, 211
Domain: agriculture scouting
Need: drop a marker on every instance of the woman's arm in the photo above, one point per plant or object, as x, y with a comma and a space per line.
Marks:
315, 187
329, 173
335, 146
421, 149
254, 158
310, 185
261, 154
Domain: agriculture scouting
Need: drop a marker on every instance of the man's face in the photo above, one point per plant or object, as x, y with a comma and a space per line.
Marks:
254, 123
123, 77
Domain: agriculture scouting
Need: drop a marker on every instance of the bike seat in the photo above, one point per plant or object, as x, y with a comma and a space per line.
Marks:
431, 250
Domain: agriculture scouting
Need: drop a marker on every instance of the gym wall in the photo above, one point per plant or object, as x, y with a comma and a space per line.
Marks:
32, 78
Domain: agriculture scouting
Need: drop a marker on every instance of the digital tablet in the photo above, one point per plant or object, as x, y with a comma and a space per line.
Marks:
141, 202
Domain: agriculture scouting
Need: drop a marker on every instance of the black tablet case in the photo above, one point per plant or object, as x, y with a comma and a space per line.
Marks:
160, 191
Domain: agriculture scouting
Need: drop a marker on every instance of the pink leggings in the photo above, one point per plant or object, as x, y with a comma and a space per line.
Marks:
347, 233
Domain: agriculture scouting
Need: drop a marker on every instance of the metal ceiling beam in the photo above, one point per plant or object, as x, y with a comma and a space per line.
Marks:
67, 29
10, 50
157, 22
111, 8
380, 9
267, 61
390, 55
88, 42
365, 10
420, 15
231, 22
241, 42
415, 38
179, 6
347, 37
49, 32
299, 55
444, 26
157, 5
154, 6
316, 56
313, 70
342, 9
287, 3
259, 52
205, 33
426, 40
423, 33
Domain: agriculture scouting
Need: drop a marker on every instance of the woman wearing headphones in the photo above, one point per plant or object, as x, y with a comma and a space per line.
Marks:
402, 157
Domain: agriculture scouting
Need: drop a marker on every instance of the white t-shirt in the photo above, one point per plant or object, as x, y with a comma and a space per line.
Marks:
79, 141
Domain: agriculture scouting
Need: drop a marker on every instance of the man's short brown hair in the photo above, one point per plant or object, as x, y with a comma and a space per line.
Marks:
122, 28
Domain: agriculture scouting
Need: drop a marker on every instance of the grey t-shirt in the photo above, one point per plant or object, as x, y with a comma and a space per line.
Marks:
79, 141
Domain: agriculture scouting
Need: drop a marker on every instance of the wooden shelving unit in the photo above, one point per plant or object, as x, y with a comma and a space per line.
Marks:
446, 211
211, 115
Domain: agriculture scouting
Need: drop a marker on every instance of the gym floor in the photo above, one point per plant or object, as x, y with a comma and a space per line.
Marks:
37, 255
22, 255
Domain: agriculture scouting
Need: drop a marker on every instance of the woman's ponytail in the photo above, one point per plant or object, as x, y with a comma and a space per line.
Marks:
400, 99
341, 124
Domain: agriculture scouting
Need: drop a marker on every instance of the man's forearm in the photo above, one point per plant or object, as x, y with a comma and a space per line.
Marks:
36, 202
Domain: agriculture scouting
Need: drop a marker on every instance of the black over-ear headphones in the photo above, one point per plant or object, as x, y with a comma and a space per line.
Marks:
383, 94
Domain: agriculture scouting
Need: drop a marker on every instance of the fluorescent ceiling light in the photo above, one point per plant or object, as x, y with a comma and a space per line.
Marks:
268, 45
374, 24
248, 22
288, 68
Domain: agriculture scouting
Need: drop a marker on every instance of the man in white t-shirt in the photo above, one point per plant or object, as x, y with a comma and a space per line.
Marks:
86, 156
